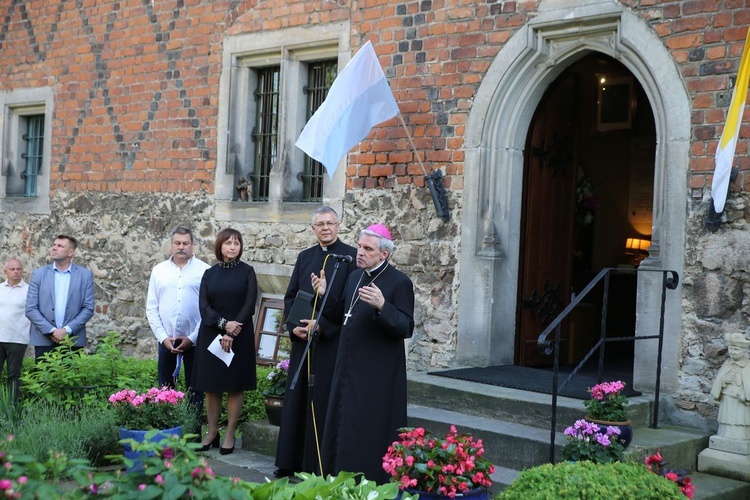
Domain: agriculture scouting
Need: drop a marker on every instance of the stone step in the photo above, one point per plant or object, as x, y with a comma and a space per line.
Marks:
514, 428
709, 487
511, 405
506, 444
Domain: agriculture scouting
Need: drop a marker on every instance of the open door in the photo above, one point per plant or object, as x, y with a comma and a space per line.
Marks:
547, 220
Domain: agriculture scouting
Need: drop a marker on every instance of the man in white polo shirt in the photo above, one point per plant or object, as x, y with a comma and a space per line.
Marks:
172, 310
14, 325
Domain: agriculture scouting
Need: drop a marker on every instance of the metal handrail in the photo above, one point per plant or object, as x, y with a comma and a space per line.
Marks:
670, 281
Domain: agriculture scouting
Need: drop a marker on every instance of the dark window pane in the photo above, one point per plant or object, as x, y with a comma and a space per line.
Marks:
320, 78
266, 132
34, 139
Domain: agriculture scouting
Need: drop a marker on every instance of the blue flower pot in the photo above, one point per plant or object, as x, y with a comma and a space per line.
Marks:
626, 429
475, 494
140, 436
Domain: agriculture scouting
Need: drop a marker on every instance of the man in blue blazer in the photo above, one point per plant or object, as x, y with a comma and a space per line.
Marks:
60, 299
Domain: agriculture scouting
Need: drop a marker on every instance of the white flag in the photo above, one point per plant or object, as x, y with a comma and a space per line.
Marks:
728, 141
359, 99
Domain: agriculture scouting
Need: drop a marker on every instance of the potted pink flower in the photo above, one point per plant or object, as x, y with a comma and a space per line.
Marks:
151, 416
441, 467
607, 408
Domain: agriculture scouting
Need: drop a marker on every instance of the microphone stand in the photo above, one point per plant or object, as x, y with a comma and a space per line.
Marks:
312, 335
312, 332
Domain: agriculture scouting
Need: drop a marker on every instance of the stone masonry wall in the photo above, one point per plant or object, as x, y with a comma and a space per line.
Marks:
122, 236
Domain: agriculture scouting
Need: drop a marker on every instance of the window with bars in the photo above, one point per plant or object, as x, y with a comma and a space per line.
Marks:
25, 154
266, 131
320, 77
33, 155
274, 84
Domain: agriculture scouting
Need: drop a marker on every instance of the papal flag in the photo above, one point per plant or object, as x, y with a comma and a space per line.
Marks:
725, 150
359, 99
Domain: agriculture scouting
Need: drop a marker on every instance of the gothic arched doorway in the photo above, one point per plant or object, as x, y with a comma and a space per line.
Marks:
587, 187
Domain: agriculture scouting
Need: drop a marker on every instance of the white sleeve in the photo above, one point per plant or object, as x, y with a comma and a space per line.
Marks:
152, 310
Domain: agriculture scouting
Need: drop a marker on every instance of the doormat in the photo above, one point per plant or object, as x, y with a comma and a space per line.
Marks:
533, 380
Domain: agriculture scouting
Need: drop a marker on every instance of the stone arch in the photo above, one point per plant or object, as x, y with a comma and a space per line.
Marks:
496, 133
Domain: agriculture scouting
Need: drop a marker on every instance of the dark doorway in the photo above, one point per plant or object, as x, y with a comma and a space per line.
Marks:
588, 188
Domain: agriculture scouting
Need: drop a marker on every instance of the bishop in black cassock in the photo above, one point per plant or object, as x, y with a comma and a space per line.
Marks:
368, 394
297, 449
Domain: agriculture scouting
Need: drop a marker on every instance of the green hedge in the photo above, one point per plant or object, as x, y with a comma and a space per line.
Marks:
590, 481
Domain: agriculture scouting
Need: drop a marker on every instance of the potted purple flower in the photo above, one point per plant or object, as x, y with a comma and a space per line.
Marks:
275, 390
589, 441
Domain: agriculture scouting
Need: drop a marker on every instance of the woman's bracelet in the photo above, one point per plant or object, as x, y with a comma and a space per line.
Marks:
222, 323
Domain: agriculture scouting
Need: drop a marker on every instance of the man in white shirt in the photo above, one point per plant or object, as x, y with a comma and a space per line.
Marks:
14, 325
172, 310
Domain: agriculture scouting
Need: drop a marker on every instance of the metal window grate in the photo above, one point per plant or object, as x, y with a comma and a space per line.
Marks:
266, 132
320, 78
34, 138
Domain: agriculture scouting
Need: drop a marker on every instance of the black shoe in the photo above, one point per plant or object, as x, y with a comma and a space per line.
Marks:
283, 473
226, 451
213, 444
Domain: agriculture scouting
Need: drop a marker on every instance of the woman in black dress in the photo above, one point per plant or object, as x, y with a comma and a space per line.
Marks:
227, 303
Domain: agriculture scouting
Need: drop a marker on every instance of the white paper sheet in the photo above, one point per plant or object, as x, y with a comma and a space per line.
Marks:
215, 349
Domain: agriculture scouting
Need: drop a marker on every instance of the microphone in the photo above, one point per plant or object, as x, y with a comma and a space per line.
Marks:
342, 258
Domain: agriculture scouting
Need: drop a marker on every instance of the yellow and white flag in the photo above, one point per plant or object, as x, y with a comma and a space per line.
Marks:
725, 151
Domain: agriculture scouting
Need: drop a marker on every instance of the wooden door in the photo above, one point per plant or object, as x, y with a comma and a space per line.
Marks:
547, 220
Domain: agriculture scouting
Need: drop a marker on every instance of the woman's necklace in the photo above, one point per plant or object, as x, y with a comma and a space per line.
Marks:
355, 297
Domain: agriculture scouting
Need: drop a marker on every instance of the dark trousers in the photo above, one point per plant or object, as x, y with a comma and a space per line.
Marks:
12, 353
41, 350
166, 367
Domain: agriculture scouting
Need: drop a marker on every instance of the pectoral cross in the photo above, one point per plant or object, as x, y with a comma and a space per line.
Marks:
347, 316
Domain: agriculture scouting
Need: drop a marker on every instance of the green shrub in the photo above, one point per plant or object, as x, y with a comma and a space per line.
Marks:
44, 427
73, 378
173, 471
587, 480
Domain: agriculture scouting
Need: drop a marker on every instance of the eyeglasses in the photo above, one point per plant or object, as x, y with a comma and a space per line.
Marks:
318, 225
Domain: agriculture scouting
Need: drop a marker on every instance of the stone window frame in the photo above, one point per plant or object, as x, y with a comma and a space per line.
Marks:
291, 49
16, 104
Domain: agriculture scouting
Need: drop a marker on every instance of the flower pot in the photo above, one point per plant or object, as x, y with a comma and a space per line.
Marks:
274, 407
140, 436
626, 430
475, 494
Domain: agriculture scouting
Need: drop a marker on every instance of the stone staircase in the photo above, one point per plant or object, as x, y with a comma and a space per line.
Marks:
514, 427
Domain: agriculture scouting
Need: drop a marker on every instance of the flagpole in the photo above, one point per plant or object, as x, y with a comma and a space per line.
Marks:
408, 135
434, 179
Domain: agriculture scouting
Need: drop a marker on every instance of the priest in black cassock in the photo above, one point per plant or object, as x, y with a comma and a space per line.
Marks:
297, 447
368, 394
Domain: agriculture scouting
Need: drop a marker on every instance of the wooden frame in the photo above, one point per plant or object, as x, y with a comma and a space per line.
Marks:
269, 331
615, 104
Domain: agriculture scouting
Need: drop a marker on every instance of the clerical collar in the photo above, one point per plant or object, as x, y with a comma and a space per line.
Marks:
326, 247
370, 271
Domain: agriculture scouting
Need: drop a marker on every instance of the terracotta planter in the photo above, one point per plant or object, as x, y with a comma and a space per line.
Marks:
626, 430
274, 407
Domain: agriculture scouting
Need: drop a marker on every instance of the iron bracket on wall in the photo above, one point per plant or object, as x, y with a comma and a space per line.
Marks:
439, 195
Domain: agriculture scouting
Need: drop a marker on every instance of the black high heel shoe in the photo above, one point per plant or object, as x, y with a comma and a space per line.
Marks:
227, 451
213, 444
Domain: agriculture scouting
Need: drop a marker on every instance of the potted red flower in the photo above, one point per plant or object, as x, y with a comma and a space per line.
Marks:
433, 467
657, 465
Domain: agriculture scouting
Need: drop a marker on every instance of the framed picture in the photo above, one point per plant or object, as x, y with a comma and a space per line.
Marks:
271, 341
615, 105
